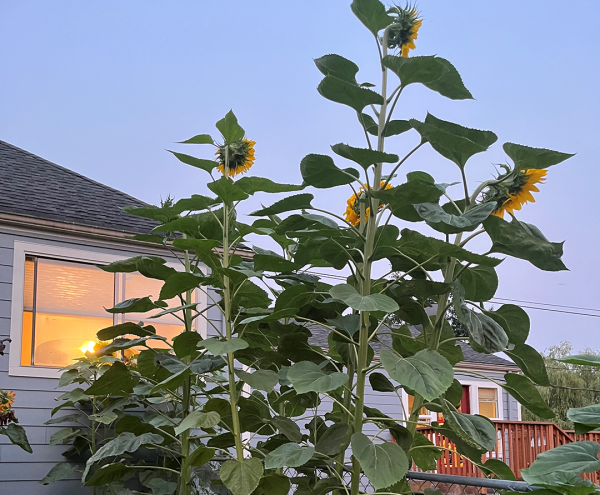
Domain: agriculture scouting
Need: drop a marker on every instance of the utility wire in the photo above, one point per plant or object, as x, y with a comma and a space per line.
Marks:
546, 304
558, 311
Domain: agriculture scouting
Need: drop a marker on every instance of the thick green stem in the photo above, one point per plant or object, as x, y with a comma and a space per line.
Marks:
185, 485
365, 283
233, 398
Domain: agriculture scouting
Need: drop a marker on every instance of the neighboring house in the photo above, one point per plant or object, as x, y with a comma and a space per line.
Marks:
55, 226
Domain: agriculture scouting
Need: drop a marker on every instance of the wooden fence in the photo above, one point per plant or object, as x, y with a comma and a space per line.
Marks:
518, 444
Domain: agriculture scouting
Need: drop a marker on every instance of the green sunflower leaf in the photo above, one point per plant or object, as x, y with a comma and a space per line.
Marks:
337, 66
198, 419
260, 380
127, 328
17, 436
242, 477
453, 141
393, 127
321, 172
374, 302
433, 72
199, 139
402, 197
537, 158
251, 185
438, 219
306, 376
514, 320
206, 165
230, 129
480, 283
288, 455
227, 190
582, 359
273, 484
196, 203
347, 93
296, 202
531, 363
364, 157
60, 471
384, 464
418, 246
178, 283
108, 474
427, 372
522, 388
117, 380
519, 240
372, 14
577, 457
485, 331
218, 347
585, 418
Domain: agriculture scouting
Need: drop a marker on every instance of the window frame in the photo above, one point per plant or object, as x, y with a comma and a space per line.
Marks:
474, 387
21, 251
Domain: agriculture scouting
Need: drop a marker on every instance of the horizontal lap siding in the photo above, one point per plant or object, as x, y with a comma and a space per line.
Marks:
20, 472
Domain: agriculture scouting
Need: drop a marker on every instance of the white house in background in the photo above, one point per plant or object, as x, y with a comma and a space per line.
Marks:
55, 226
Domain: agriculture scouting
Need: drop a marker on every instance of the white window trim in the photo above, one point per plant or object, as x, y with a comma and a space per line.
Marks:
474, 387
432, 416
23, 249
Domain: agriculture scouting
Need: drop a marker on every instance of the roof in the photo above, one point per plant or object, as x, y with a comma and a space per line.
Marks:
320, 334
33, 187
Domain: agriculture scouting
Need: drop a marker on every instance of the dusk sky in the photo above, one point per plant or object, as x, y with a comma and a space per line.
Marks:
104, 88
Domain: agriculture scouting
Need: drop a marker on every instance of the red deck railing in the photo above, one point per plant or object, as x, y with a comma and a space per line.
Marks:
518, 444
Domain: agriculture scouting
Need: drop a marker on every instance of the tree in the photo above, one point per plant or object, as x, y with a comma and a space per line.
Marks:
572, 385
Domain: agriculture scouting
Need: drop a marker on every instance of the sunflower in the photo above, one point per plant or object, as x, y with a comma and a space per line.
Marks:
241, 157
513, 195
352, 212
404, 29
7, 399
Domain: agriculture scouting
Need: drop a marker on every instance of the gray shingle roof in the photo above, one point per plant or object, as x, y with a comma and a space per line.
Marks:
319, 338
34, 187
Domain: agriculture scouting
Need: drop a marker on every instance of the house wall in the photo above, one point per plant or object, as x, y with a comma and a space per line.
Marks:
20, 472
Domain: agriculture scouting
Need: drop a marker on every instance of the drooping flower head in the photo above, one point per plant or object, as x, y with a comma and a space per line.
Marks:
352, 213
7, 399
240, 155
404, 29
513, 190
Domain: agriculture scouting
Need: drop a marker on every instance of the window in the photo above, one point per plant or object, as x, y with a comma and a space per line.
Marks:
425, 416
488, 402
59, 300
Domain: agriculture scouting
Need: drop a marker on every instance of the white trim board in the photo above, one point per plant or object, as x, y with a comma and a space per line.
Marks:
21, 250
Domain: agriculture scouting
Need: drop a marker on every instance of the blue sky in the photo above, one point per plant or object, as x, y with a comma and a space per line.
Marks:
104, 88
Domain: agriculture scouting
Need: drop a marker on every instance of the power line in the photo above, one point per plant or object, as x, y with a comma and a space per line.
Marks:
561, 311
546, 304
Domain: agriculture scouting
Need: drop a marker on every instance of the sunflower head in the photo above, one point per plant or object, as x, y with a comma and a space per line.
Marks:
404, 29
7, 399
240, 154
513, 190
352, 213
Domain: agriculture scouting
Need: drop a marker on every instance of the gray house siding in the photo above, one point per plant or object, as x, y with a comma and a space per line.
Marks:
20, 471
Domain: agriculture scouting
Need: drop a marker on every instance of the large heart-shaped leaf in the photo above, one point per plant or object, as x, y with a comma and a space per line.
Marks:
321, 172
337, 66
538, 158
117, 380
485, 331
526, 393
251, 185
229, 127
585, 418
288, 455
227, 190
364, 157
373, 302
295, 202
217, 347
17, 436
480, 283
384, 464
242, 477
125, 442
198, 419
127, 328
178, 283
524, 241
260, 379
474, 430
199, 139
372, 14
448, 223
347, 93
531, 363
427, 372
453, 141
436, 73
577, 457
514, 320
582, 359
206, 165
334, 440
306, 376
60, 471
